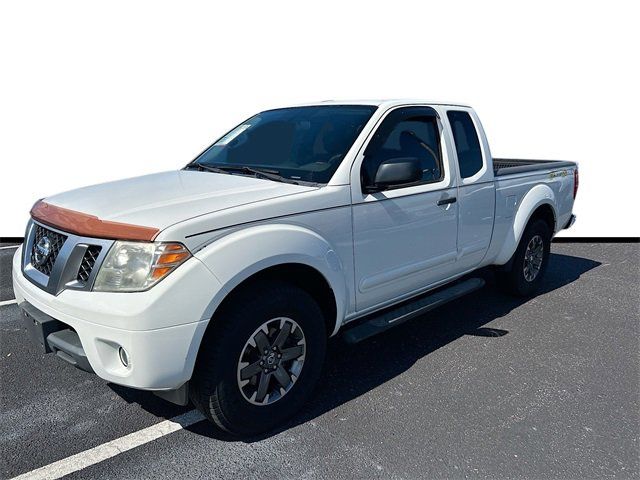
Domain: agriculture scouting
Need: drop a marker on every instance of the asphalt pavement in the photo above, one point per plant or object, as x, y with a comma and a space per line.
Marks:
487, 387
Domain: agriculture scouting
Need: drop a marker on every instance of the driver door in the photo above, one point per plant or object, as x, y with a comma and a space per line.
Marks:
405, 236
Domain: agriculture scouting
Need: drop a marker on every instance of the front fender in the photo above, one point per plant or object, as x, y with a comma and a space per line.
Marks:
534, 198
239, 255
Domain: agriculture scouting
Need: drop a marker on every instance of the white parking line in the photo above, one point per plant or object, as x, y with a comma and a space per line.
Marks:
111, 449
11, 246
7, 302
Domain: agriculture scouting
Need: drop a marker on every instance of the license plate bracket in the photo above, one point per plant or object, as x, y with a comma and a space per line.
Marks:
40, 326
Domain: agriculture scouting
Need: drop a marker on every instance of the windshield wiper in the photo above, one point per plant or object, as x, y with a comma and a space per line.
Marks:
258, 172
208, 168
267, 174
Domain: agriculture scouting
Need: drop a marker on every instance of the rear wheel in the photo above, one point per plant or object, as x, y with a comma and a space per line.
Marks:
529, 262
261, 360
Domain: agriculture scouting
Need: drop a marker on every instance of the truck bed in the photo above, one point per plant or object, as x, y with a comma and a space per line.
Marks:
509, 166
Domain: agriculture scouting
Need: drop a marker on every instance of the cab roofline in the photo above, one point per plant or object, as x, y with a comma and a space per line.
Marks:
379, 103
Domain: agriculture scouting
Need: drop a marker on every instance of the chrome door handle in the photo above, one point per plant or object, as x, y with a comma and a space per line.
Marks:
445, 201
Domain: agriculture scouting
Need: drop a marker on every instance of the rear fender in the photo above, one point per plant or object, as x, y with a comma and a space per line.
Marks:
534, 198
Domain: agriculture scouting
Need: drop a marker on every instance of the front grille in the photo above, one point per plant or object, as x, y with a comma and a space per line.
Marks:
88, 261
43, 255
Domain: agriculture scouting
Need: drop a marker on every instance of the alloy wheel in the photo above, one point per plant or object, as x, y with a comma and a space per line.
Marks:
271, 361
533, 256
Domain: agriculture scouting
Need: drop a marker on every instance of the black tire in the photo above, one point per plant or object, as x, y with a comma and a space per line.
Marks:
513, 280
215, 389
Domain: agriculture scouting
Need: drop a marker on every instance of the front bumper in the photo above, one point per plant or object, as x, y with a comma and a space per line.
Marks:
160, 329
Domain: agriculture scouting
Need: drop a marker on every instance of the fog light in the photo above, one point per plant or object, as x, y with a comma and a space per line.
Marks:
124, 356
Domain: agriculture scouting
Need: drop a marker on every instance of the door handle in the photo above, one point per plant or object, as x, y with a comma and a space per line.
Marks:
446, 201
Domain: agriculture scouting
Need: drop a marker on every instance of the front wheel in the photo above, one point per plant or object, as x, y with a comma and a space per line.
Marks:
261, 359
529, 262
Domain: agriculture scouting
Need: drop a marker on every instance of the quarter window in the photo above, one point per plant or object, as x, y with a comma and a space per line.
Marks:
407, 132
467, 143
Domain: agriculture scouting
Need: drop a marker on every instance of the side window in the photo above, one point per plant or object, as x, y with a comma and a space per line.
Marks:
406, 132
467, 143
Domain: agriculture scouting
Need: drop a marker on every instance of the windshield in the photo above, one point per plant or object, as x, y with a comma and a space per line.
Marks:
300, 143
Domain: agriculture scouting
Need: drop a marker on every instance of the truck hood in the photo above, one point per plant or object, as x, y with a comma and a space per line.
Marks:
163, 199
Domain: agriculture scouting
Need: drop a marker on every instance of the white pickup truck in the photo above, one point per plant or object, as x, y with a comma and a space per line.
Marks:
220, 283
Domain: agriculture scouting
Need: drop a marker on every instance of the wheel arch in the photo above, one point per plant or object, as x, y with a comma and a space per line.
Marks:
284, 252
546, 213
538, 203
300, 275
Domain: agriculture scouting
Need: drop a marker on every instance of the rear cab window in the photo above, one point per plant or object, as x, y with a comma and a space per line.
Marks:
465, 138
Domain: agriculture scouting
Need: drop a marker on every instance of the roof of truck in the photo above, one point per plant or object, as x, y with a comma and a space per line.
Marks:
384, 102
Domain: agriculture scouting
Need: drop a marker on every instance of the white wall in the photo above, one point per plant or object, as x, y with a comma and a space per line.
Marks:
91, 92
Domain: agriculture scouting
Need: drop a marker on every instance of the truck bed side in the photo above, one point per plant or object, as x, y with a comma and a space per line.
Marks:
523, 186
509, 166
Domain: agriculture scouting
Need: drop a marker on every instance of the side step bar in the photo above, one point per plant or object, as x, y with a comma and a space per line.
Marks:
400, 314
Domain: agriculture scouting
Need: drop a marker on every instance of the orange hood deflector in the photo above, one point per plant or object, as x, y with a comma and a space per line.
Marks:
89, 225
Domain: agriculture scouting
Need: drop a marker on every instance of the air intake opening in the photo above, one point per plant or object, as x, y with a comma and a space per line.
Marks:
88, 262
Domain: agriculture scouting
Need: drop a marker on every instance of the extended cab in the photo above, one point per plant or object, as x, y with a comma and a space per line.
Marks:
221, 282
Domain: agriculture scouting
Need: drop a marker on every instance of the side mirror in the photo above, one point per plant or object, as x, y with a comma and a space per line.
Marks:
396, 171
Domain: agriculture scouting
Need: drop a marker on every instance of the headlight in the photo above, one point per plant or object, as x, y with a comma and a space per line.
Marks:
135, 266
